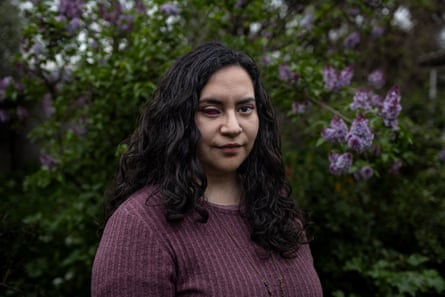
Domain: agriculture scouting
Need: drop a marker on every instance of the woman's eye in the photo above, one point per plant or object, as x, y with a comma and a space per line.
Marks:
210, 111
246, 109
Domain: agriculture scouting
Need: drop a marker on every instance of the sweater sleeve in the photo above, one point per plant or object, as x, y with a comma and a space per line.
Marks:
130, 261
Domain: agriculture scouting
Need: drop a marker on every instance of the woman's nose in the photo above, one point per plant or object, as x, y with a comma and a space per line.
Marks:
231, 125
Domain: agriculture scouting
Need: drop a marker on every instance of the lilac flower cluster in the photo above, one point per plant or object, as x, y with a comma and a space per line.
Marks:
287, 74
391, 108
352, 40
140, 7
334, 81
71, 8
336, 132
117, 16
376, 79
377, 31
395, 167
361, 100
169, 9
47, 161
360, 136
300, 107
364, 173
340, 163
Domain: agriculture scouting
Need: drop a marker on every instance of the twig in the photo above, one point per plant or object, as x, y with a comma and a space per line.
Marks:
331, 109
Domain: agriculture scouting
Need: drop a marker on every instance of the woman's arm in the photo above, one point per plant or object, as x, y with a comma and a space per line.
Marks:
131, 261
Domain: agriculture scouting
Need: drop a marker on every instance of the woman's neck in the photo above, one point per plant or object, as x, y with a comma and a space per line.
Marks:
223, 190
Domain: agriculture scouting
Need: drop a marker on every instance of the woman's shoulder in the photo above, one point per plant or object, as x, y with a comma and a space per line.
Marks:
144, 205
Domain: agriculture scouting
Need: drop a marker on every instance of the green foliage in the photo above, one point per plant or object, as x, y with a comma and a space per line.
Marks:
377, 237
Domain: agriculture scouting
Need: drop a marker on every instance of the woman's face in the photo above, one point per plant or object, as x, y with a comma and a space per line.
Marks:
228, 121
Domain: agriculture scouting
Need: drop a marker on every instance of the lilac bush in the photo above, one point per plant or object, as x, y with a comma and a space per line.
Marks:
344, 135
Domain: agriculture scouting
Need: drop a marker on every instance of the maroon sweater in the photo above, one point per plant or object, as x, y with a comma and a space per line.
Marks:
141, 254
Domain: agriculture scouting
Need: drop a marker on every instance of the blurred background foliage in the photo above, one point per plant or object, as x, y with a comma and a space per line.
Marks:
76, 74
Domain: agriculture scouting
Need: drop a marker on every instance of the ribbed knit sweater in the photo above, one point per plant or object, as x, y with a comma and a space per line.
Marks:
141, 254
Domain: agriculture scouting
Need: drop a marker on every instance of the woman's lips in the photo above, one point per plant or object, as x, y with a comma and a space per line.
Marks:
230, 148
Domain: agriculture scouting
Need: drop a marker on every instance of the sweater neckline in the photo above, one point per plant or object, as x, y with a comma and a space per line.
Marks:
229, 209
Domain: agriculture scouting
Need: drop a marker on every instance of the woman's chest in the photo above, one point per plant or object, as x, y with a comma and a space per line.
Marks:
219, 259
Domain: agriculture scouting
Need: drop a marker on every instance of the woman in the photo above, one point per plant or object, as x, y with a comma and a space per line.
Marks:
200, 205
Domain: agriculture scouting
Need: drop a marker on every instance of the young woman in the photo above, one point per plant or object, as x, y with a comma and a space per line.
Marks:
200, 205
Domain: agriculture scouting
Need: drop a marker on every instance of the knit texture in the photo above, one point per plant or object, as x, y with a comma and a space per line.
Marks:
141, 254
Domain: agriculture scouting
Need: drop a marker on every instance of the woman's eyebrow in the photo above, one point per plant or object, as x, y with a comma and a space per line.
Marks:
220, 102
246, 100
210, 101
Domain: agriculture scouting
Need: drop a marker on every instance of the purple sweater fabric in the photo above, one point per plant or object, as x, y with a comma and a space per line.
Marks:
141, 254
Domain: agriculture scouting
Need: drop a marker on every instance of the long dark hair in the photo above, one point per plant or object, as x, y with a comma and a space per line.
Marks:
162, 152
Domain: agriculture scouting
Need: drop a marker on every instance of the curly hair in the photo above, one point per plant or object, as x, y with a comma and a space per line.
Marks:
162, 152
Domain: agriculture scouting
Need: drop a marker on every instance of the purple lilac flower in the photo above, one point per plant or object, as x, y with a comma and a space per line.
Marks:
48, 108
345, 76
336, 132
377, 31
239, 4
111, 14
361, 100
364, 173
140, 7
38, 49
391, 108
334, 81
71, 8
265, 60
340, 163
126, 23
375, 101
376, 79
21, 112
286, 73
442, 155
395, 167
4, 116
5, 82
80, 131
94, 44
360, 136
47, 161
352, 40
330, 78
353, 11
300, 107
169, 9
307, 21
73, 26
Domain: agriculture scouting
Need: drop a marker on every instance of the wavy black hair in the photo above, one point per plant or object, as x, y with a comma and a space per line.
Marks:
162, 152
